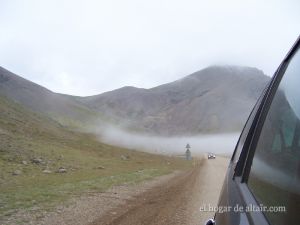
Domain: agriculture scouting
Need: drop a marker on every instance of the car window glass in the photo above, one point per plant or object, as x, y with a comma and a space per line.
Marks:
244, 134
274, 178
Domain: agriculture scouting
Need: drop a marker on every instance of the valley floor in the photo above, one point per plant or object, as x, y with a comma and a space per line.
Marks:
169, 199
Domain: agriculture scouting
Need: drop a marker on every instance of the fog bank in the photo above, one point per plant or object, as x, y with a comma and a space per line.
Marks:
216, 143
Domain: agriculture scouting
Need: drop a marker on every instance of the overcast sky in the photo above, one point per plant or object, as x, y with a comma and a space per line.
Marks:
88, 47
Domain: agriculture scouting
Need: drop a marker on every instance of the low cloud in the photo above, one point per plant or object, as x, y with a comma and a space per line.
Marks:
216, 143
99, 46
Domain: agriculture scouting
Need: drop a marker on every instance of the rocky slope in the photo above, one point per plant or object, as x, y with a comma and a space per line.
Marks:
63, 108
215, 99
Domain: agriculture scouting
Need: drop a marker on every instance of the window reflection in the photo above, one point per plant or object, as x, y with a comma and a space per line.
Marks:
275, 173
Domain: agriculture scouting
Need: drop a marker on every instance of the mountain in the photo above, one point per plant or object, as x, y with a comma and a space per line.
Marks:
215, 99
63, 108
43, 164
45, 161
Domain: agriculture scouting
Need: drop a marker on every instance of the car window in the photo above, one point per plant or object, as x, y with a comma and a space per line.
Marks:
274, 177
245, 132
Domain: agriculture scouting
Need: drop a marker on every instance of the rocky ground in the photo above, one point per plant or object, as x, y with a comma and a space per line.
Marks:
169, 199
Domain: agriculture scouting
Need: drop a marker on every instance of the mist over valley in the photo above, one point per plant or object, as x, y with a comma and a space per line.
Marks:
128, 112
206, 109
222, 143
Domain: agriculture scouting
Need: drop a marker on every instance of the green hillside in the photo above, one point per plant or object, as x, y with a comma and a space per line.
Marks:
43, 163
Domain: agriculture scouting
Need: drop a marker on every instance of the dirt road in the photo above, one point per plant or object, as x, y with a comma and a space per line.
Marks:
176, 201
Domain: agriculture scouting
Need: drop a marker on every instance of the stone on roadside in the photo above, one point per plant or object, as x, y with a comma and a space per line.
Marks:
62, 170
37, 160
47, 171
125, 157
17, 172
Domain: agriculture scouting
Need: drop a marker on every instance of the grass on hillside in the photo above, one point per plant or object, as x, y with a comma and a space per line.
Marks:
90, 165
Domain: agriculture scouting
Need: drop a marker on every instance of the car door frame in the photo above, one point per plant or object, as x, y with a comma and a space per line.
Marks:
243, 166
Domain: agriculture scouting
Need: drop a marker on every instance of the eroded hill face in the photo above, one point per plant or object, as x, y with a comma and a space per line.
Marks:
215, 99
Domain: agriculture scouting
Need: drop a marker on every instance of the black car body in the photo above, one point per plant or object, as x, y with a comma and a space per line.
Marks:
262, 184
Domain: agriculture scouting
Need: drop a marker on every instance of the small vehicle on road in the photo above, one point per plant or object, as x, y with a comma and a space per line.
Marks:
262, 184
211, 156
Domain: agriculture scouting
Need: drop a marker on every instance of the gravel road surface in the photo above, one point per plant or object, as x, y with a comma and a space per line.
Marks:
174, 201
